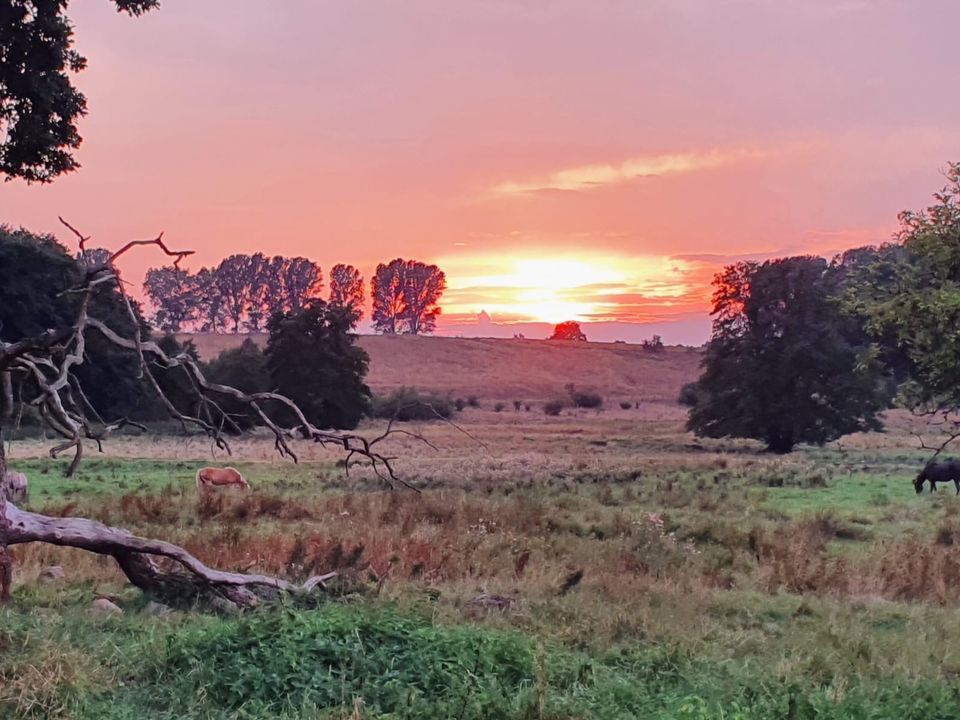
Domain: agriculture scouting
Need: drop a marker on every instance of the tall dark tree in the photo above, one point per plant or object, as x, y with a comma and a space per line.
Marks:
174, 294
211, 305
569, 330
313, 359
258, 298
405, 294
422, 288
346, 289
235, 276
909, 297
386, 291
302, 281
272, 277
39, 105
784, 365
36, 272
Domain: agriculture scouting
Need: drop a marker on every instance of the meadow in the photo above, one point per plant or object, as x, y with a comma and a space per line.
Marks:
596, 564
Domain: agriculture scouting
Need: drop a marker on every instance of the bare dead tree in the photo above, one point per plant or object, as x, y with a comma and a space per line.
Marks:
159, 568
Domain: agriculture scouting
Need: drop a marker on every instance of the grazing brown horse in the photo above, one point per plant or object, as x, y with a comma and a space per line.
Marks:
935, 472
218, 477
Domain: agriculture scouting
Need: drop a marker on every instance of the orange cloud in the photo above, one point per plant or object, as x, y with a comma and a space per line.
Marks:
589, 177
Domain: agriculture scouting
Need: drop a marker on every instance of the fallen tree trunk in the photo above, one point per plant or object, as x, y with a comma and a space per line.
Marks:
137, 558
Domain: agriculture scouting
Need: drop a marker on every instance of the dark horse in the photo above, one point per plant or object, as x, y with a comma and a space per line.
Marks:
936, 472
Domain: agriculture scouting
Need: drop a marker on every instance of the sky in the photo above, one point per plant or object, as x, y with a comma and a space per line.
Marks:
596, 160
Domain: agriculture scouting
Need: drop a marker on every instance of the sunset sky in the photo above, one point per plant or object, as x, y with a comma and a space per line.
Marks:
560, 159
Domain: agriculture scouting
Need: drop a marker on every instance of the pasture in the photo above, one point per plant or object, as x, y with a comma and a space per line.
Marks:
596, 564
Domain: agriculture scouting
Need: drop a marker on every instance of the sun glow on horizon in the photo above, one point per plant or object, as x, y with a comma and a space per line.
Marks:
554, 289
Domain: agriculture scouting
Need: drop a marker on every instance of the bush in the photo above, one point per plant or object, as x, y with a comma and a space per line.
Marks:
473, 402
553, 407
517, 405
583, 399
459, 404
625, 405
689, 394
408, 404
244, 368
654, 344
499, 407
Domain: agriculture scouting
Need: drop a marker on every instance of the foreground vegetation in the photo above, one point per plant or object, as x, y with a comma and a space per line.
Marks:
578, 566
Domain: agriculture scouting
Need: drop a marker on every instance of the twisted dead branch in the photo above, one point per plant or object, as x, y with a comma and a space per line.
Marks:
157, 567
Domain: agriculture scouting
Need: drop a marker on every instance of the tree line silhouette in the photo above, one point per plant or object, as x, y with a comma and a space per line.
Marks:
244, 291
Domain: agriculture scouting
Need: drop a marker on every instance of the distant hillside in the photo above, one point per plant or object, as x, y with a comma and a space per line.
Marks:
509, 369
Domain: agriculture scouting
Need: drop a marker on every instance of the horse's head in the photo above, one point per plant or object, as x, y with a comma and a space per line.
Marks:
918, 482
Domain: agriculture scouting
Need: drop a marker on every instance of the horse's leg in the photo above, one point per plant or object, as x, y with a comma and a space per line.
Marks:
933, 487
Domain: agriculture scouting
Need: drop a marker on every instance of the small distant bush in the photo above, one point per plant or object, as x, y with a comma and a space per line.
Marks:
499, 407
517, 405
689, 394
654, 344
625, 405
408, 404
583, 399
553, 407
459, 404
473, 402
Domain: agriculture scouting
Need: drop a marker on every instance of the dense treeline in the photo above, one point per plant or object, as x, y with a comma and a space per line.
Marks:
244, 291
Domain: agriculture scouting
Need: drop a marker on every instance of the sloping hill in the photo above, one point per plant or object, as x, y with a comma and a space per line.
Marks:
510, 369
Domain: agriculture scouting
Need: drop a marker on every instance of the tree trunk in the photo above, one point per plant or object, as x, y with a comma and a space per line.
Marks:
6, 562
6, 395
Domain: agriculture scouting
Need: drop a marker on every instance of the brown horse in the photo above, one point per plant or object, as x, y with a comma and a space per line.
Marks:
218, 477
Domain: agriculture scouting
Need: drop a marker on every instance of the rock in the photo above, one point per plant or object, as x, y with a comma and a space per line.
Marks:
157, 609
492, 602
101, 607
222, 605
52, 574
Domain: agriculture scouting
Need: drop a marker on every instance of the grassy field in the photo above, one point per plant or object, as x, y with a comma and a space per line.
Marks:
508, 370
646, 575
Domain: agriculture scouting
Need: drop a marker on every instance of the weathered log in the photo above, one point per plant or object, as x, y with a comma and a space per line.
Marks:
137, 558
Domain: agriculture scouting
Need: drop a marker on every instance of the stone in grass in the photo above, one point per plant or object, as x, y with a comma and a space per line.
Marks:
51, 575
101, 607
224, 606
157, 609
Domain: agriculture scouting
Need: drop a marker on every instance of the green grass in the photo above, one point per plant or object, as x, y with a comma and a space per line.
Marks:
390, 664
120, 476
856, 493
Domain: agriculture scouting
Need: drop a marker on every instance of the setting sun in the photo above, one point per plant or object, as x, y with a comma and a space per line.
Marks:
554, 289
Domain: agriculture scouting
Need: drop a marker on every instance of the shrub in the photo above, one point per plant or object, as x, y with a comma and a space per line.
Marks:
583, 399
517, 405
553, 407
625, 405
244, 368
459, 404
689, 394
654, 344
473, 402
499, 407
408, 404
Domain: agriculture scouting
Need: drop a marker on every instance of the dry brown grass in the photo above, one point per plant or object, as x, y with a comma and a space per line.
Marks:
508, 370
